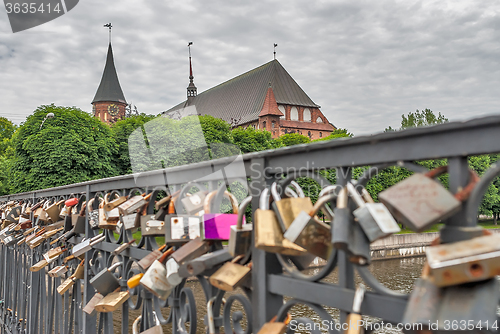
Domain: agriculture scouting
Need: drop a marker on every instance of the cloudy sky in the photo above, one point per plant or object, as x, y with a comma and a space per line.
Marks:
365, 62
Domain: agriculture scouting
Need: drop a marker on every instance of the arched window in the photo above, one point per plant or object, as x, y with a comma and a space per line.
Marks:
319, 120
307, 115
281, 108
272, 125
264, 125
320, 134
309, 134
294, 114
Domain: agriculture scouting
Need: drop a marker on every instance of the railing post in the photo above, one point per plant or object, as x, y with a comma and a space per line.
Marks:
89, 322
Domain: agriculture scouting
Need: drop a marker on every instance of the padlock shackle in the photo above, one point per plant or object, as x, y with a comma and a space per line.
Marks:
342, 198
241, 211
322, 201
358, 299
167, 253
478, 192
463, 194
209, 198
274, 192
297, 188
264, 199
114, 266
355, 195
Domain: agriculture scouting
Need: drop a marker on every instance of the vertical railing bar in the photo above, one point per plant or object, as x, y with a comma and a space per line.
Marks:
53, 298
89, 321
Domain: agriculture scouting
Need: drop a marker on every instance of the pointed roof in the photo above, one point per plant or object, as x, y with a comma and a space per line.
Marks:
242, 97
270, 106
109, 88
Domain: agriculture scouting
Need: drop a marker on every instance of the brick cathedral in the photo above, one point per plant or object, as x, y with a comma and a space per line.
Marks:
266, 97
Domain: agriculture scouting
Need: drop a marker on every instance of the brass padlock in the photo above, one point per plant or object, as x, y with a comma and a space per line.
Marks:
354, 319
191, 250
311, 234
112, 301
58, 271
419, 201
240, 239
122, 247
103, 218
230, 275
53, 253
155, 278
132, 204
54, 210
90, 307
275, 327
465, 261
202, 264
66, 285
111, 205
105, 281
268, 233
287, 209
39, 265
80, 270
376, 221
146, 261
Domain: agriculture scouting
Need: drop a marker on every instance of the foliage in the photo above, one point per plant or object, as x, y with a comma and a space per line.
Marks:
338, 133
421, 118
252, 140
290, 139
7, 129
71, 147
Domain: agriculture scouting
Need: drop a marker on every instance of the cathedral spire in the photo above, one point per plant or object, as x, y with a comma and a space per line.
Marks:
191, 89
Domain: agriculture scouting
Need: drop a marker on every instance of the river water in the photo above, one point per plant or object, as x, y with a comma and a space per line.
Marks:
398, 274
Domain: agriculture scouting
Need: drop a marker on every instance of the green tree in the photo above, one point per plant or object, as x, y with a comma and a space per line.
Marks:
421, 118
252, 140
338, 133
71, 147
290, 139
7, 129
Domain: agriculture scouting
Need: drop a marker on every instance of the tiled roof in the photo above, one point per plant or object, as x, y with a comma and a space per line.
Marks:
270, 106
109, 88
242, 97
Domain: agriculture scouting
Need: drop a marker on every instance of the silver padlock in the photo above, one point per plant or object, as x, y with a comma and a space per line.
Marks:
87, 244
194, 203
131, 205
376, 221
173, 272
152, 330
105, 281
240, 239
155, 278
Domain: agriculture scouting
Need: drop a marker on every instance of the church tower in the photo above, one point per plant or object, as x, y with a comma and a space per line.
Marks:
191, 89
109, 102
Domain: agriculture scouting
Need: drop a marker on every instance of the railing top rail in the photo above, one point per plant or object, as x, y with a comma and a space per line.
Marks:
439, 141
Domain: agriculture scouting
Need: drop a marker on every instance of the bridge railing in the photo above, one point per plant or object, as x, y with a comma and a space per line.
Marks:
31, 304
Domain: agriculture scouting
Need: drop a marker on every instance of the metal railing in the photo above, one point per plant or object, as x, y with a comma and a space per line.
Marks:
30, 303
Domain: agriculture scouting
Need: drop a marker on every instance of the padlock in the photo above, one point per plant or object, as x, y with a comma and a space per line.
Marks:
105, 281
39, 265
113, 215
194, 203
430, 307
53, 253
231, 275
112, 301
149, 224
104, 221
156, 329
275, 327
240, 239
90, 307
181, 228
146, 261
267, 232
347, 234
217, 226
79, 216
80, 270
14, 213
204, 263
311, 234
287, 209
93, 212
122, 247
465, 261
191, 250
354, 320
173, 272
66, 285
419, 201
111, 205
58, 271
155, 278
12, 240
376, 221
87, 244
53, 211
132, 204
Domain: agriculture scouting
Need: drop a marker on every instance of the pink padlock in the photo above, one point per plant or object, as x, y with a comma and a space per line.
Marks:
217, 226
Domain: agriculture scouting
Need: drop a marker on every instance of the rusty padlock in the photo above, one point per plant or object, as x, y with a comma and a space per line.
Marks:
231, 275
132, 204
204, 263
181, 228
155, 278
240, 239
275, 327
191, 250
419, 201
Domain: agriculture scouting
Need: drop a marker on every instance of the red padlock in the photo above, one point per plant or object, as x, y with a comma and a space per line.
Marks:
71, 202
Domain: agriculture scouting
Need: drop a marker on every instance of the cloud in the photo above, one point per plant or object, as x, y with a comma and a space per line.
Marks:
364, 62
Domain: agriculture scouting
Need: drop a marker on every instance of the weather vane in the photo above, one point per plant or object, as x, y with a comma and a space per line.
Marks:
275, 45
109, 25
189, 48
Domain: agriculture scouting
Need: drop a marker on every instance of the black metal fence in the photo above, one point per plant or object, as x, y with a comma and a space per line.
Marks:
29, 302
